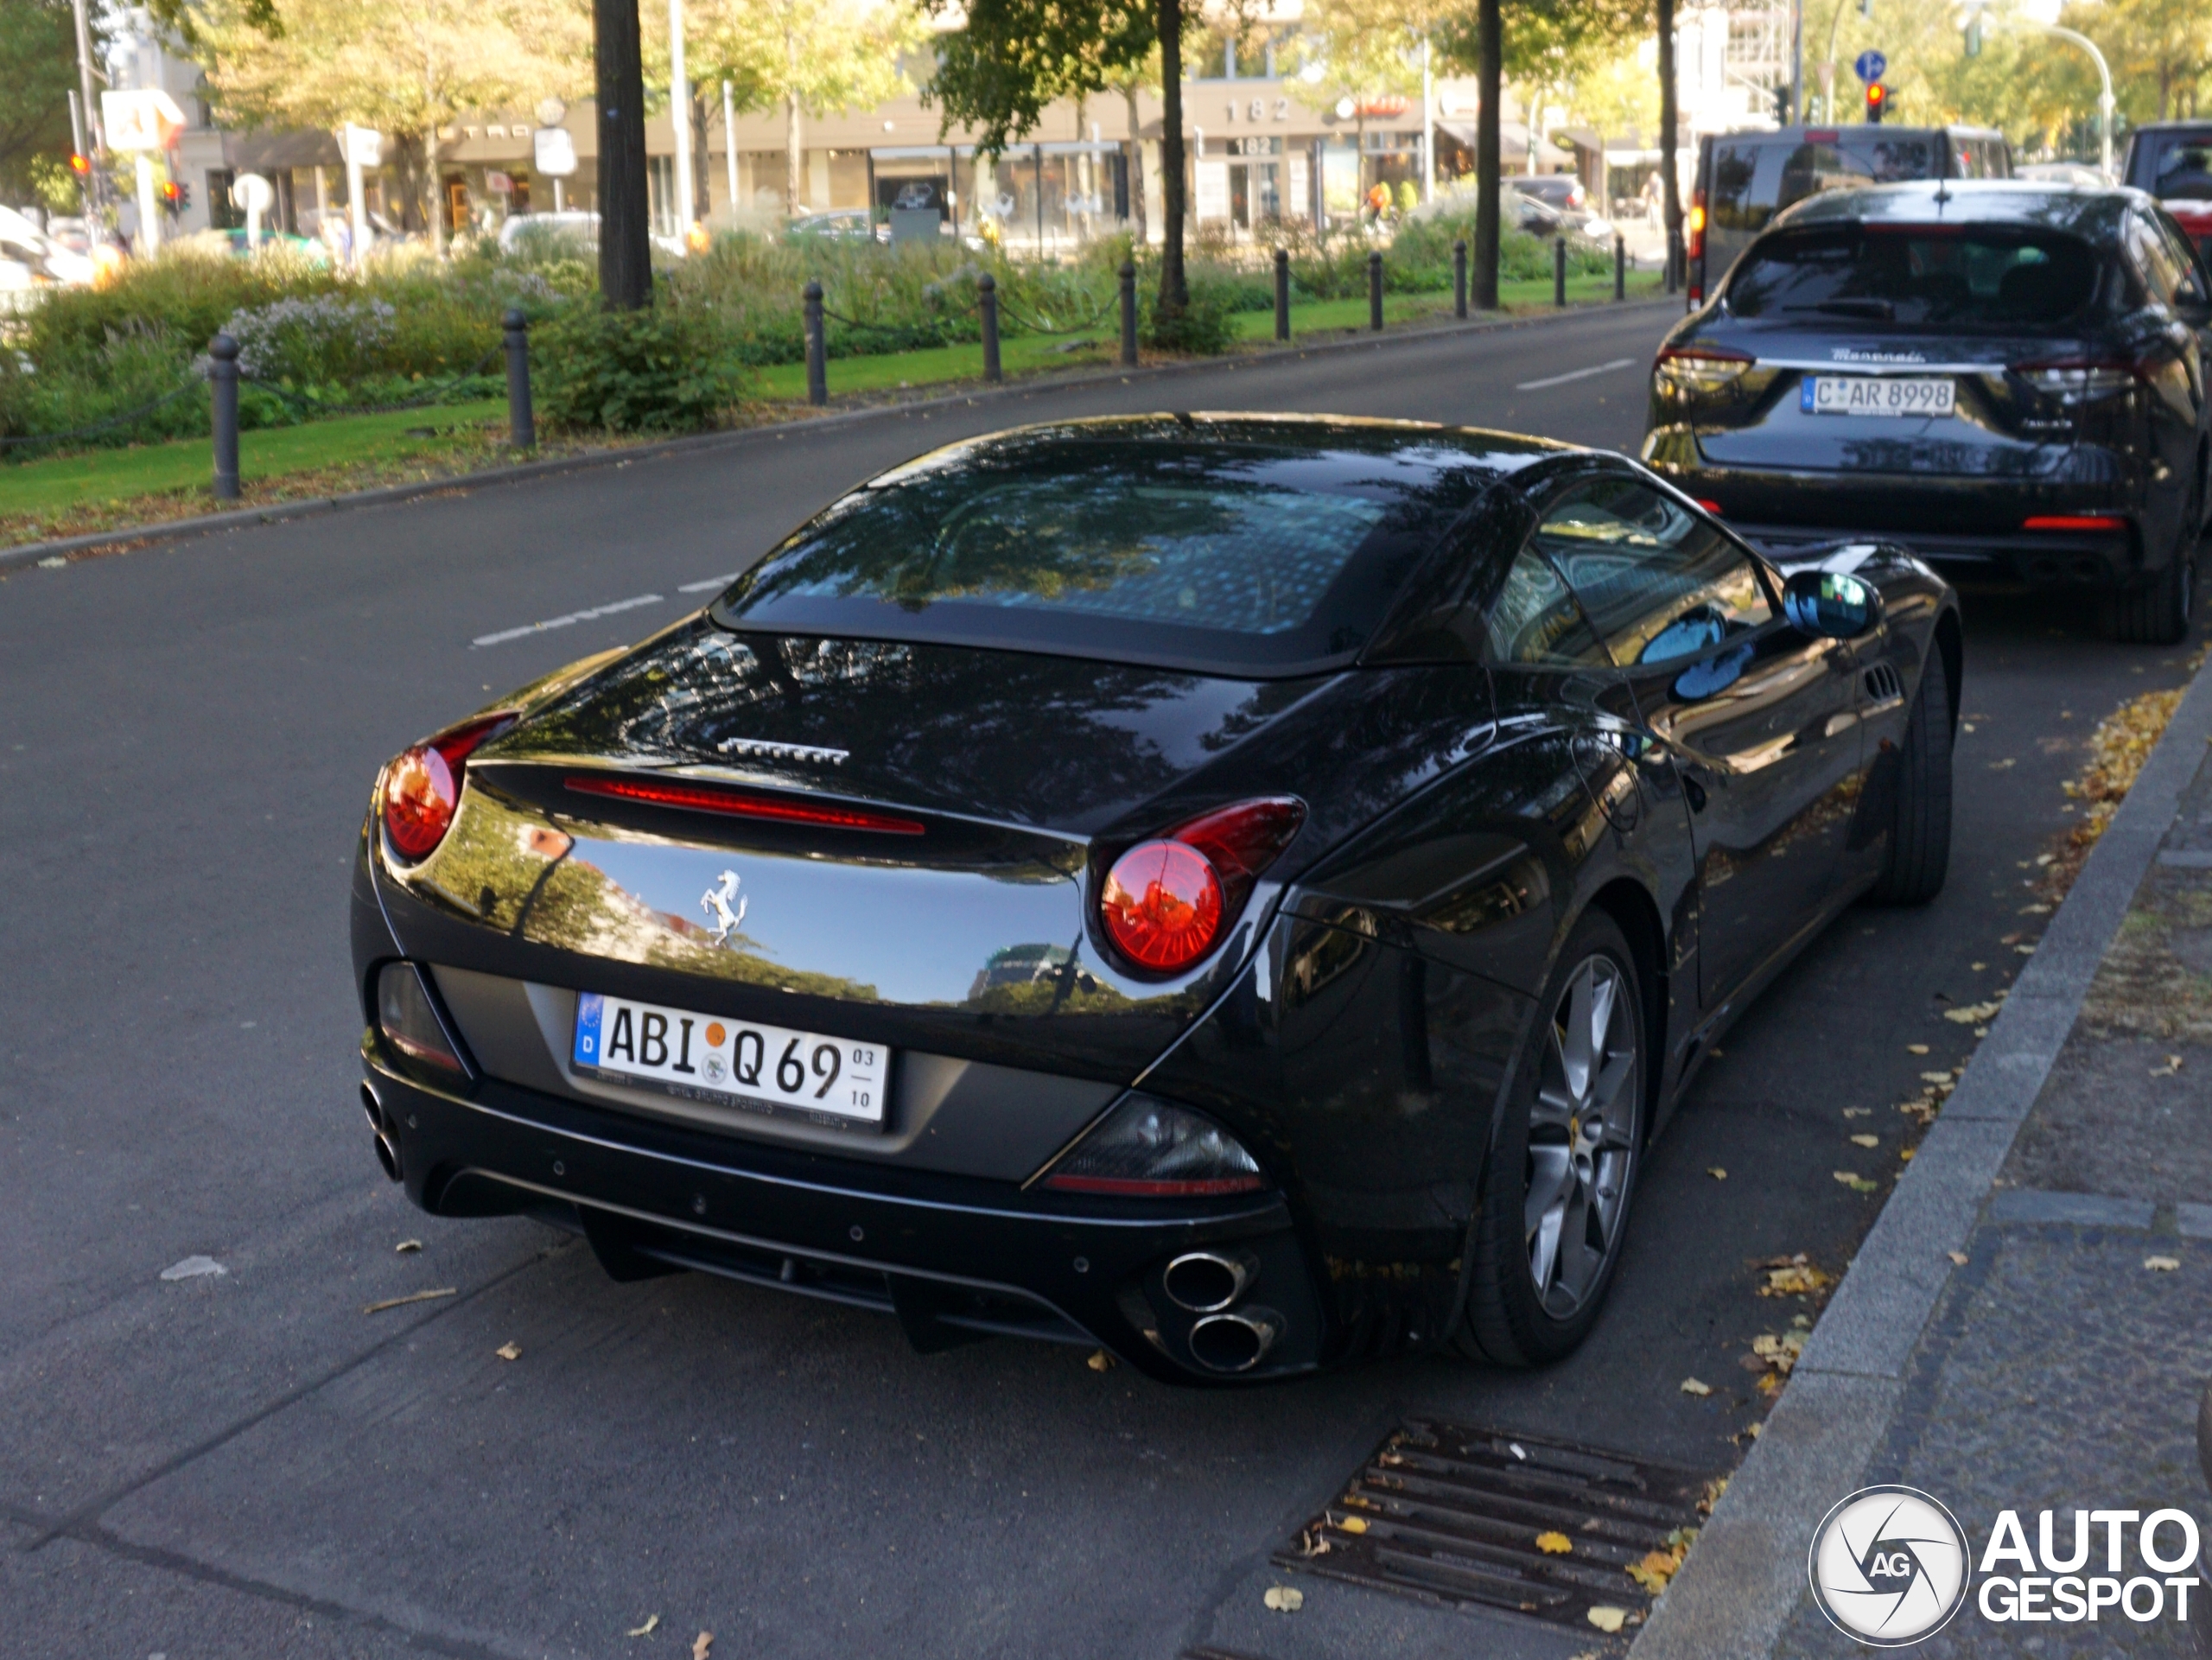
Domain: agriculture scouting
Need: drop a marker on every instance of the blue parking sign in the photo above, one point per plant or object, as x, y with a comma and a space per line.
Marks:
1870, 66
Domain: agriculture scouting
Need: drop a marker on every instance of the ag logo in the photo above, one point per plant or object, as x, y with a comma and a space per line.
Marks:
1889, 1566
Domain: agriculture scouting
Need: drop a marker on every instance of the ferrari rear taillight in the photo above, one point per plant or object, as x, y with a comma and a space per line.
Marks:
410, 1021
1166, 902
421, 788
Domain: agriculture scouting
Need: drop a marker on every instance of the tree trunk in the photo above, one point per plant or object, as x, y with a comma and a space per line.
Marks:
1489, 59
703, 201
2165, 89
434, 190
1669, 179
792, 155
626, 268
1136, 166
1175, 292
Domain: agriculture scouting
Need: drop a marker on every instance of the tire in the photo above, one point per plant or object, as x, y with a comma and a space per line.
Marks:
1920, 828
1556, 1194
2155, 613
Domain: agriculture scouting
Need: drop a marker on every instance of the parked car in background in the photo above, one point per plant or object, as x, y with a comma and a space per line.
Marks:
1566, 202
2009, 376
1744, 179
2172, 160
577, 226
2079, 173
31, 261
838, 224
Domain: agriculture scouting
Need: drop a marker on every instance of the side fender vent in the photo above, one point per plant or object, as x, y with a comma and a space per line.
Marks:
1884, 685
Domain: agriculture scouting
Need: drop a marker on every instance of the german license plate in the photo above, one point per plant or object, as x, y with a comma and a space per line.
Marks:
1877, 395
738, 1064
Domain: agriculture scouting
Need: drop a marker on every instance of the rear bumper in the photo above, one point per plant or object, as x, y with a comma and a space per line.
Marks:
952, 1258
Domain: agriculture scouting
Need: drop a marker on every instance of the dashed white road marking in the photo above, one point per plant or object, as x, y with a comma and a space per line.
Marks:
1575, 374
711, 582
573, 617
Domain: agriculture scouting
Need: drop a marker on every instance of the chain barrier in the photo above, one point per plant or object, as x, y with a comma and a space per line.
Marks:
108, 425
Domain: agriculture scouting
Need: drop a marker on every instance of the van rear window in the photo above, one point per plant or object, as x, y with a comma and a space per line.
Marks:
2175, 167
1916, 277
1754, 180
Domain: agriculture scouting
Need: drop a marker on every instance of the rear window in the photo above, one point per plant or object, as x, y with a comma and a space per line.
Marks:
1935, 276
2174, 166
1228, 558
1754, 180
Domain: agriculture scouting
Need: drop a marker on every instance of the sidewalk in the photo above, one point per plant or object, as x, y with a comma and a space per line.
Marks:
2029, 1326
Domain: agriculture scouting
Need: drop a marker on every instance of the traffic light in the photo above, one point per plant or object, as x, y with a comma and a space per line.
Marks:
1782, 106
81, 166
1878, 98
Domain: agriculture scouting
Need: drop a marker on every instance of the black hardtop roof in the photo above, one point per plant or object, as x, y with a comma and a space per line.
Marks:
2084, 210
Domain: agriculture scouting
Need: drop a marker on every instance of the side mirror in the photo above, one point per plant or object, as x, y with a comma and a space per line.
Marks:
1830, 604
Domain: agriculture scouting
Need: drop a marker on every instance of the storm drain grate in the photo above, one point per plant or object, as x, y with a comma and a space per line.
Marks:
1453, 1515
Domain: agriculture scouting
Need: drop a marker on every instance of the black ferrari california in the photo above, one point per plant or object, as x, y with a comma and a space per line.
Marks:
1242, 891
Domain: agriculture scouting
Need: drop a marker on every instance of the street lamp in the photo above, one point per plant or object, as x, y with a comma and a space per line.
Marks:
1980, 19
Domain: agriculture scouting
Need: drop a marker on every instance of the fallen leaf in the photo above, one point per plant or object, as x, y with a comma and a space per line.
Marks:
1553, 1544
1753, 1430
1958, 1256
509, 1351
412, 1296
645, 1629
1904, 1155
1716, 1173
406, 1245
2025, 950
1352, 1524
1866, 1140
2171, 1067
1974, 1013
701, 1644
1937, 1078
2035, 910
1795, 1280
1857, 1183
193, 1268
1100, 1361
1858, 1112
1607, 1618
2046, 859
1917, 1048
2162, 1264
1284, 1599
1691, 1386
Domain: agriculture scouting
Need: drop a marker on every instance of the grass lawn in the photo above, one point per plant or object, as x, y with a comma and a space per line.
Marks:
101, 489
113, 489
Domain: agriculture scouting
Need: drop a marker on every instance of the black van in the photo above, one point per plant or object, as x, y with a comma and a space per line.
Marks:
1744, 179
2172, 160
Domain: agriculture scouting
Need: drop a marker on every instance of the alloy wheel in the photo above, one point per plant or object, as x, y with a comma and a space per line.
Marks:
1582, 1135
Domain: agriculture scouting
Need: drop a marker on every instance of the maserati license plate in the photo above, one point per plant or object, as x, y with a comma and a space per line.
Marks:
739, 1064
1877, 395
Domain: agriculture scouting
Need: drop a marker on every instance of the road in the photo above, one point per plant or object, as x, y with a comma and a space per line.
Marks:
246, 1464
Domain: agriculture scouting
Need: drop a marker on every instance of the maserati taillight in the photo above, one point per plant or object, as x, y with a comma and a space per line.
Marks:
2079, 380
1167, 901
421, 787
1699, 371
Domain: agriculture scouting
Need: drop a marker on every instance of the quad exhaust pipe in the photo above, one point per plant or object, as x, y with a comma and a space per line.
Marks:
1207, 1281
1236, 1341
387, 1149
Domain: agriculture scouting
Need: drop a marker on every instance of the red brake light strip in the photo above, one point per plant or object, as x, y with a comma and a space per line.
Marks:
700, 798
2074, 522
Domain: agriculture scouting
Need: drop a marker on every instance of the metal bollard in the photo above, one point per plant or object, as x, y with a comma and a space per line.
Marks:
522, 419
987, 302
1128, 315
1559, 270
1459, 279
1375, 291
223, 394
1282, 294
1620, 266
818, 348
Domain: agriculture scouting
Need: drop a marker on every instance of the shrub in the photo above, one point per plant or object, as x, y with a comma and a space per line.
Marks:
325, 340
669, 368
1208, 324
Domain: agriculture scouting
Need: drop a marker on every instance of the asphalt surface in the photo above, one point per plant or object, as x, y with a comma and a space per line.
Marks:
247, 1464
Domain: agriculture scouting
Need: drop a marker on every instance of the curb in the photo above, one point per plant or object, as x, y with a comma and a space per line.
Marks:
1741, 1582
30, 553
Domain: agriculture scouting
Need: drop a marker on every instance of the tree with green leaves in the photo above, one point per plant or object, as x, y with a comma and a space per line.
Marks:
803, 58
410, 66
1014, 57
38, 68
